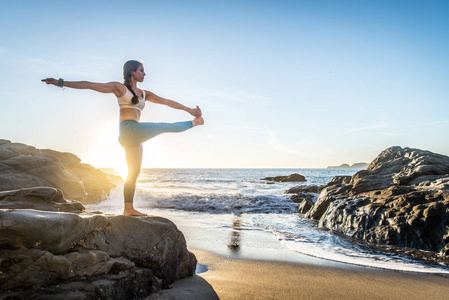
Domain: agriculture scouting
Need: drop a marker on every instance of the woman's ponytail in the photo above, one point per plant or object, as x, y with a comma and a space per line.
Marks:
129, 67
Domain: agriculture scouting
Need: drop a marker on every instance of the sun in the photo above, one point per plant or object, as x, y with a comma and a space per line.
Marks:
106, 152
122, 170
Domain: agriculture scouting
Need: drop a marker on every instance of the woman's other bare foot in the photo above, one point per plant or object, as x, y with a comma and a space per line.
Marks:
198, 121
130, 211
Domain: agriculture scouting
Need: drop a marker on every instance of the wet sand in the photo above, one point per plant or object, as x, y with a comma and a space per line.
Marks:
253, 264
229, 278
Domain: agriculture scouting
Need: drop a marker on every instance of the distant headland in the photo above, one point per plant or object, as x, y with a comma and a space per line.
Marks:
361, 165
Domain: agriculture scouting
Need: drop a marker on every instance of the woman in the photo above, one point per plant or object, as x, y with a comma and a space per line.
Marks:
131, 100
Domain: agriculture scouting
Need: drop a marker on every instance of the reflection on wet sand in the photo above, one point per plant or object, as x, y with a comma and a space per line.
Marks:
235, 235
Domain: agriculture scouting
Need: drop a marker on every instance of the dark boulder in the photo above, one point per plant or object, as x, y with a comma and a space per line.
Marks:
402, 199
289, 178
38, 198
50, 248
304, 189
304, 206
306, 195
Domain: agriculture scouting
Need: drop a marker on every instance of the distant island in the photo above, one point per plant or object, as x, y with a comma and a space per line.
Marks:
361, 165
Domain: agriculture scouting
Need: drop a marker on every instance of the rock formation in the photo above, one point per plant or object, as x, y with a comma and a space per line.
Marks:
305, 195
402, 199
23, 166
51, 249
289, 178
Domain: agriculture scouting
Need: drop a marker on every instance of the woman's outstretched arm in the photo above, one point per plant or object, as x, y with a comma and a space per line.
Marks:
111, 87
152, 97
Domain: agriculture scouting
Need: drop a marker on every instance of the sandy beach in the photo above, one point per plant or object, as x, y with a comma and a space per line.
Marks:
262, 268
229, 278
251, 245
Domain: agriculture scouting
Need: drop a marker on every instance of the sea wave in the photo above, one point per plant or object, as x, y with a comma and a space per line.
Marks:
219, 203
303, 236
216, 203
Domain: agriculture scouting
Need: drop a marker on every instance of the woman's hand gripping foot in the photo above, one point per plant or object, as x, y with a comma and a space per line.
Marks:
198, 121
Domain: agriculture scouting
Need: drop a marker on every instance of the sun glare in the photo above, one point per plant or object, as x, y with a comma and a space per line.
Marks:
122, 170
106, 152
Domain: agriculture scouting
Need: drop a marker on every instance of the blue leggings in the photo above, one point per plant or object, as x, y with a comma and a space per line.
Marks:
134, 133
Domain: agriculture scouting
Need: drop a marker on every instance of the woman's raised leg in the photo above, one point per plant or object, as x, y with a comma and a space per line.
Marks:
146, 131
134, 161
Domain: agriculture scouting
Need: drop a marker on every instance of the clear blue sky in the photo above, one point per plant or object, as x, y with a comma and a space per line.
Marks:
281, 83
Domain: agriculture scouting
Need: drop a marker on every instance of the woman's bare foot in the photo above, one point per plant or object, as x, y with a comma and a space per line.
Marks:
130, 211
198, 121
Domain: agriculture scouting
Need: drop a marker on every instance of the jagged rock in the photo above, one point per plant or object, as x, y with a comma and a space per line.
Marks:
339, 180
48, 276
39, 198
305, 206
155, 236
67, 159
23, 166
305, 195
32, 268
94, 262
60, 251
336, 185
145, 241
289, 178
299, 197
402, 199
304, 189
320, 206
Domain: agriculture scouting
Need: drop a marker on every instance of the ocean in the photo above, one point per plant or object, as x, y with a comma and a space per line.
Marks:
216, 207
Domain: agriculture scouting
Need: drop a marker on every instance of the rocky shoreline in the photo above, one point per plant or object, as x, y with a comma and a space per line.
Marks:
400, 202
57, 250
51, 248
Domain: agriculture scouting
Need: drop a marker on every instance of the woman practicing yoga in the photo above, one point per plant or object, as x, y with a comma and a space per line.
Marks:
133, 133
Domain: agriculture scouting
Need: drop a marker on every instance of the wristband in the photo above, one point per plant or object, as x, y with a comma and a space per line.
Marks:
61, 82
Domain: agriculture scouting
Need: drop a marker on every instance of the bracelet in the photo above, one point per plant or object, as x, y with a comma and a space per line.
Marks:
61, 82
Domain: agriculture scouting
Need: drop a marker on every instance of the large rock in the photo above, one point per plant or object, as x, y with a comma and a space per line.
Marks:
289, 178
40, 198
51, 249
402, 199
305, 195
23, 166
335, 186
313, 188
